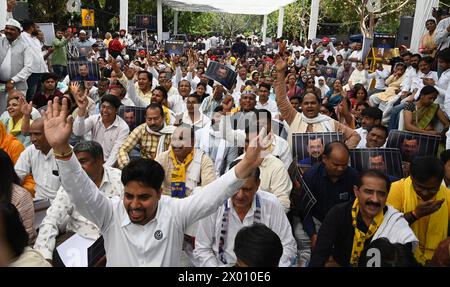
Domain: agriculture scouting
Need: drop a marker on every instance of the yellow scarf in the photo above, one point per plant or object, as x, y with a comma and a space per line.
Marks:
178, 174
360, 237
15, 129
437, 224
166, 114
235, 110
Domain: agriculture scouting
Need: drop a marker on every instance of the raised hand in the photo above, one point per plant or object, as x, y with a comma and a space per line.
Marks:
129, 72
25, 108
58, 125
82, 102
74, 87
280, 63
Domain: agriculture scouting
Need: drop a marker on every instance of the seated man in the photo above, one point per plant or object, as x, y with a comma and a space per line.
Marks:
264, 102
153, 136
309, 120
330, 182
62, 216
376, 137
209, 140
350, 227
193, 116
48, 90
393, 83
425, 201
144, 228
185, 167
38, 159
371, 116
257, 246
107, 128
214, 240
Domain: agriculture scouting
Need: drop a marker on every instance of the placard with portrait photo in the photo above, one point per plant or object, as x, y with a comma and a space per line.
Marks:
133, 116
413, 144
386, 160
174, 47
83, 71
222, 74
146, 22
308, 147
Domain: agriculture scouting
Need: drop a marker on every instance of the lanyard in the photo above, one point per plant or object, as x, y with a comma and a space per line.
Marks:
224, 229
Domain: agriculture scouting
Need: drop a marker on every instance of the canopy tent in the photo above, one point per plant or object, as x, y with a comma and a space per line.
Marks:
248, 7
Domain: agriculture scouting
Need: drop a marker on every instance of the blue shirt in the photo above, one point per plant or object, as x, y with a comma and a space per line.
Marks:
327, 193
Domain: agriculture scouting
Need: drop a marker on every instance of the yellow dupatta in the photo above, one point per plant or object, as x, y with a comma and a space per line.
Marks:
360, 237
437, 224
166, 114
178, 174
15, 129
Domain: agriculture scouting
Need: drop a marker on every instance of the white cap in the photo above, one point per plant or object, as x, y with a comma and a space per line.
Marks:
82, 32
14, 23
126, 58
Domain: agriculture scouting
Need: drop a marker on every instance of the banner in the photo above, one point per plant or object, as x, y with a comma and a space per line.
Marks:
48, 29
87, 18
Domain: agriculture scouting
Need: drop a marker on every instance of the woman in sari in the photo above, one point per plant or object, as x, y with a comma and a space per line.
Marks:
427, 45
14, 122
292, 89
334, 96
420, 116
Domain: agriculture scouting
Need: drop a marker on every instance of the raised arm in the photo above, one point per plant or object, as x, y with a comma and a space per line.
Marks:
286, 109
83, 192
207, 199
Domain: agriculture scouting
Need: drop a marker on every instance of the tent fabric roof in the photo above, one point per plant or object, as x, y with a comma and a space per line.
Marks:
249, 7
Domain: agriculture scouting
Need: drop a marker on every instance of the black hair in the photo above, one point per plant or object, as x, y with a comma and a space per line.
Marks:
407, 54
258, 246
373, 173
428, 90
430, 20
296, 98
104, 80
154, 106
373, 113
113, 100
416, 56
13, 230
93, 148
201, 84
146, 171
249, 83
163, 91
265, 85
381, 127
424, 168
197, 97
365, 104
8, 177
359, 87
328, 149
429, 60
330, 108
256, 173
149, 76
47, 76
445, 156
115, 35
391, 254
27, 24
444, 55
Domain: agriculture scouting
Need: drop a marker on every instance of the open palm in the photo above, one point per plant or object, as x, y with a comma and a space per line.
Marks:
57, 125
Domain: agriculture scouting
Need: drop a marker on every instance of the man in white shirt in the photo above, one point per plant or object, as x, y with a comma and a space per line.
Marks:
107, 128
425, 77
210, 141
443, 83
144, 228
442, 36
214, 242
376, 137
16, 61
62, 215
240, 80
380, 75
38, 160
371, 116
39, 67
356, 55
264, 102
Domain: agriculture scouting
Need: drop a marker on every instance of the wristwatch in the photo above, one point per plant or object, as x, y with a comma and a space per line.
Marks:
12, 81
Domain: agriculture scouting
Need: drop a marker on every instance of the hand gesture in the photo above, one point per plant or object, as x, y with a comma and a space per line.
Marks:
58, 125
74, 87
82, 102
428, 207
25, 108
10, 5
282, 47
115, 66
280, 63
129, 72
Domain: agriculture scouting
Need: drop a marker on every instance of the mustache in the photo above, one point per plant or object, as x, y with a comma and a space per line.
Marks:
371, 203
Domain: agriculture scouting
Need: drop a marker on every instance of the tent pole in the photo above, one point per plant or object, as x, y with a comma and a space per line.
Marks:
280, 22
159, 19
175, 22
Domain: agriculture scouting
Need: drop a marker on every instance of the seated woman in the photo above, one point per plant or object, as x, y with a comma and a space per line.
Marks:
420, 116
14, 249
11, 191
15, 122
292, 89
311, 88
343, 113
358, 76
358, 95
334, 96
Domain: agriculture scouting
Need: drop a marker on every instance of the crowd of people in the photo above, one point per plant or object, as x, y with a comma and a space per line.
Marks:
205, 177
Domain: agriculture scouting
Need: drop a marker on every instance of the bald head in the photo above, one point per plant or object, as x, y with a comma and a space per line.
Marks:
38, 123
335, 158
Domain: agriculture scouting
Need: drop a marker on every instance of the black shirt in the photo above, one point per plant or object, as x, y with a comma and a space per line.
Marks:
327, 193
336, 234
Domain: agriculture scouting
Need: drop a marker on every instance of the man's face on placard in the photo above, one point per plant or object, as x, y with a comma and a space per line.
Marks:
130, 118
222, 73
315, 147
410, 147
83, 70
146, 21
377, 162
